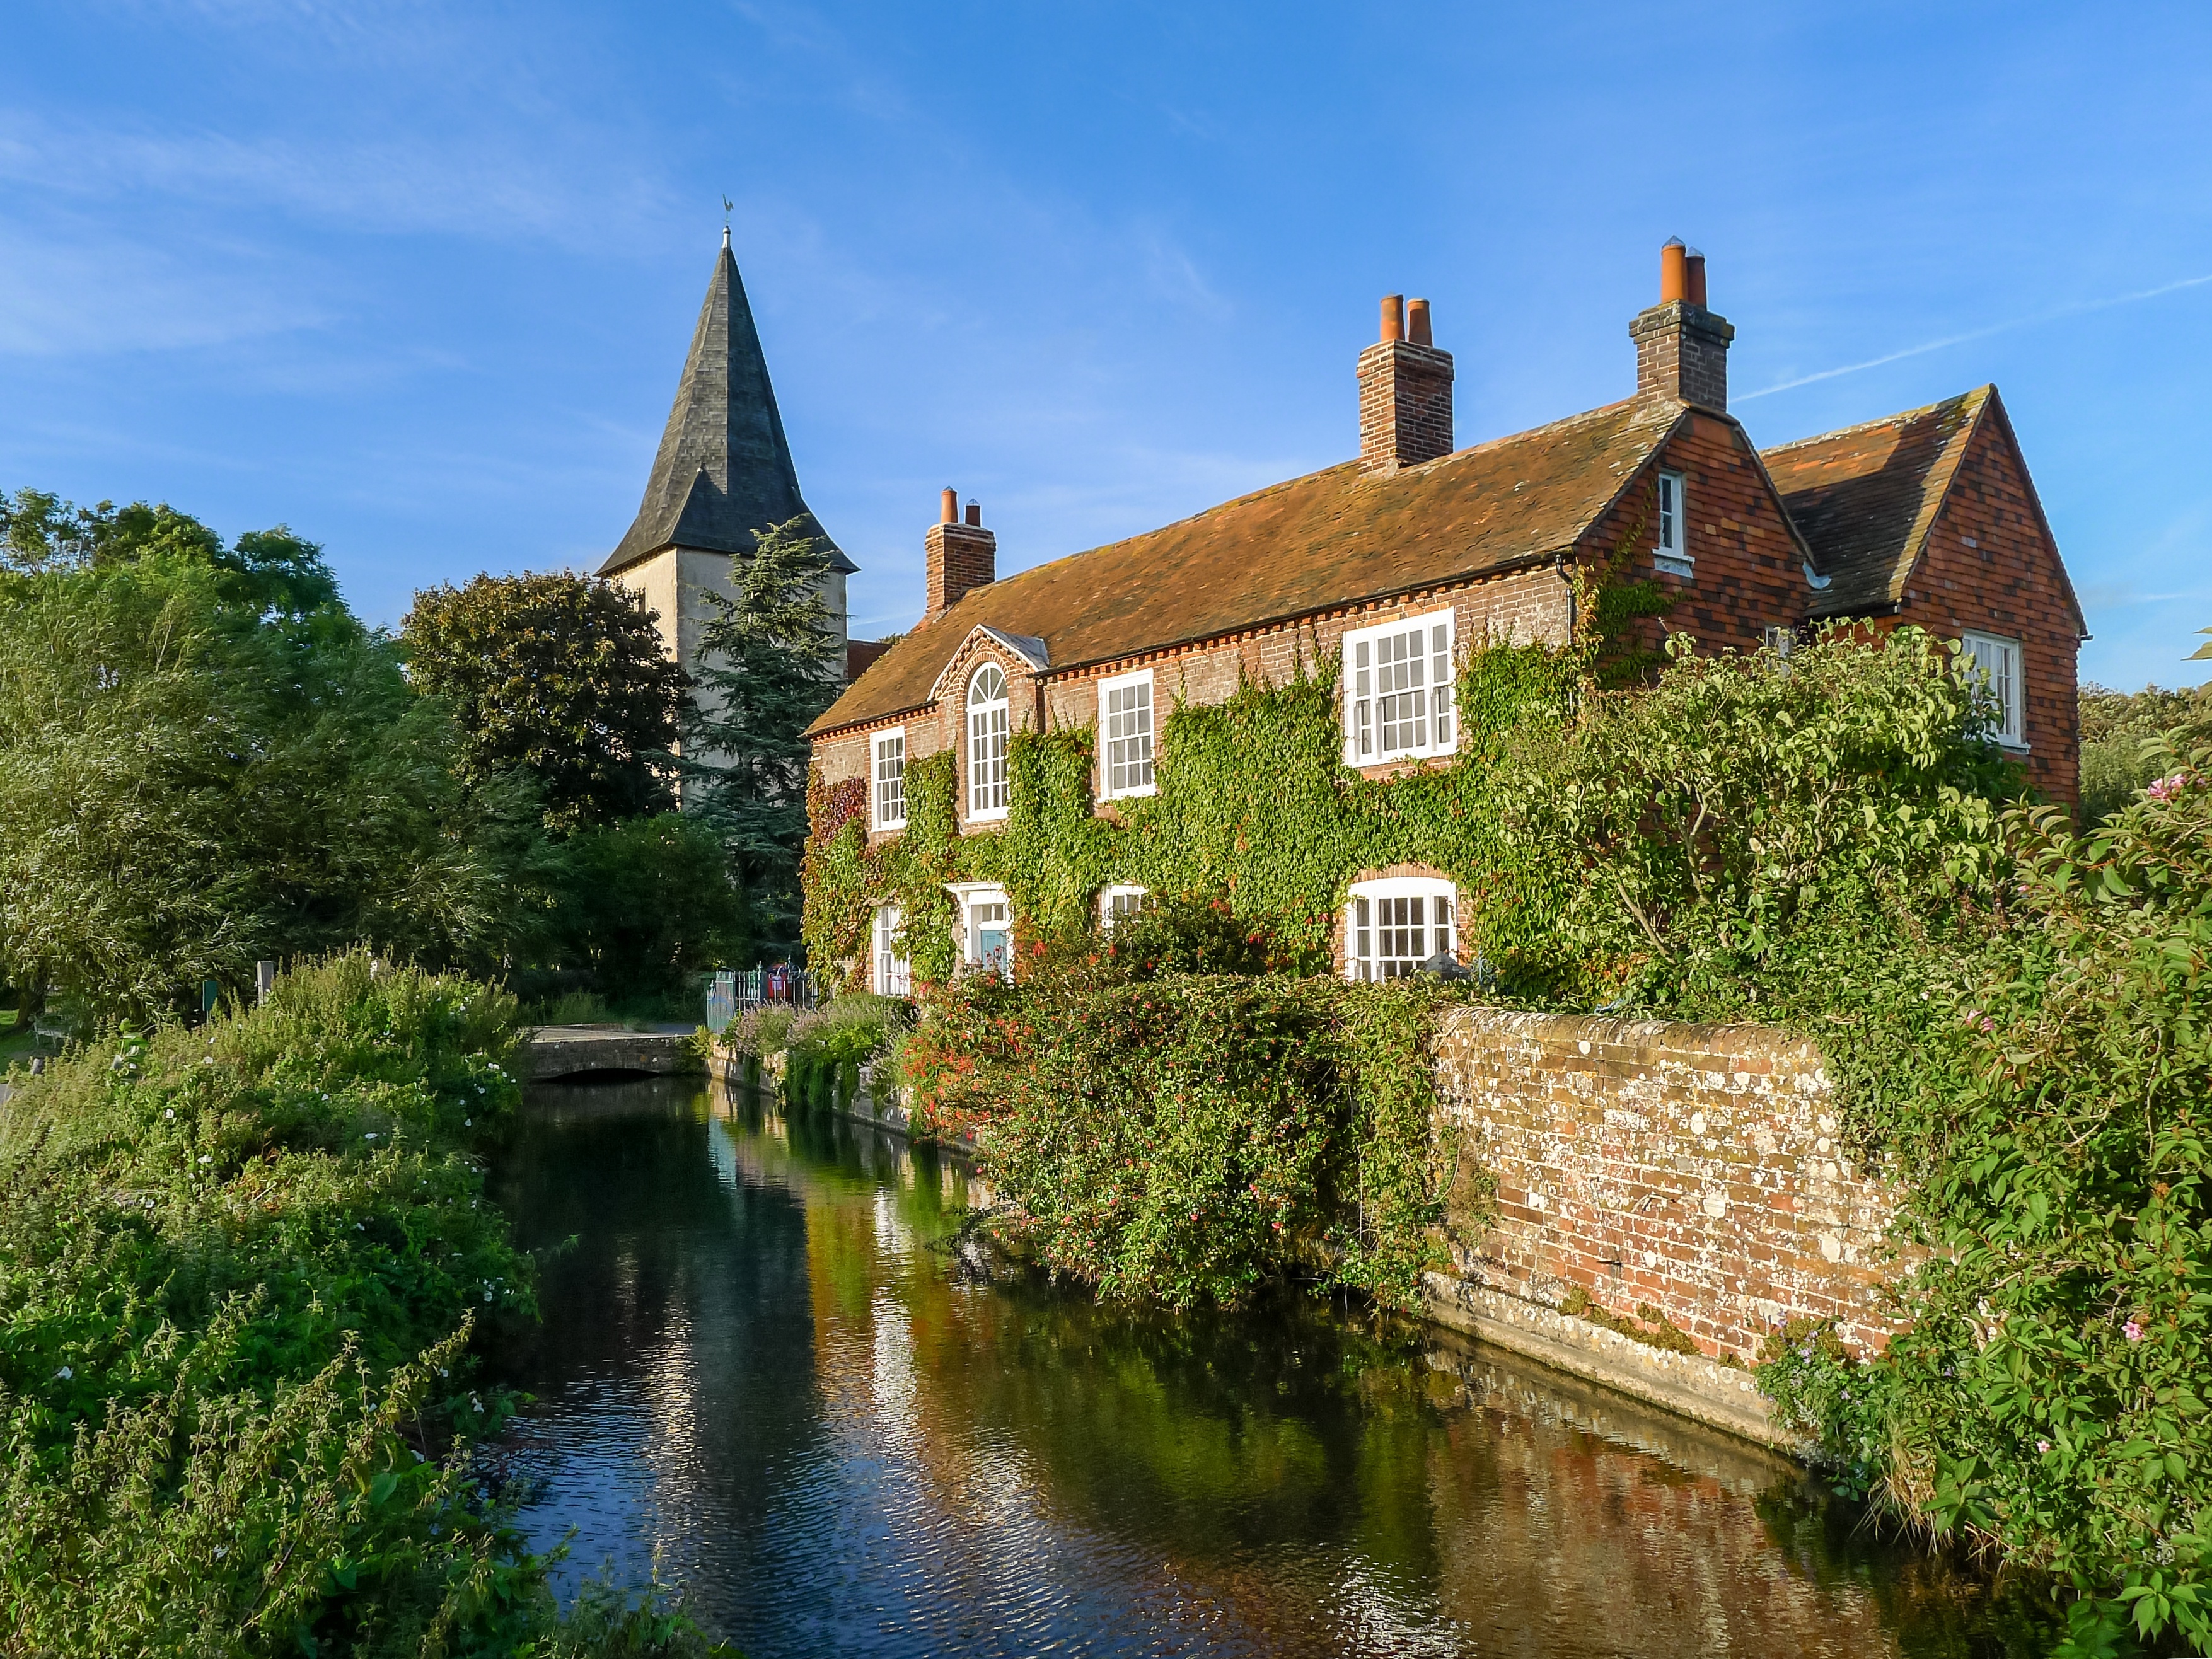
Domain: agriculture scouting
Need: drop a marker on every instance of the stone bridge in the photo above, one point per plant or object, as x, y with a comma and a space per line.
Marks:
558, 1051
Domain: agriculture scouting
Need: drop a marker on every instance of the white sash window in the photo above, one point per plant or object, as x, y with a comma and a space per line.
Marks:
1125, 729
1400, 700
889, 750
1997, 661
1395, 925
987, 723
890, 974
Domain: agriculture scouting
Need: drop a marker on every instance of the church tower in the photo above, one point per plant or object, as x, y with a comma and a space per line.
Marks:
724, 473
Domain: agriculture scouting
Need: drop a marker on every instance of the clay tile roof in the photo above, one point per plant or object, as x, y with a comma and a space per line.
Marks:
1331, 539
1864, 498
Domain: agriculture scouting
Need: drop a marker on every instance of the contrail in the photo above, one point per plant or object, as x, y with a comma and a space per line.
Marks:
1980, 334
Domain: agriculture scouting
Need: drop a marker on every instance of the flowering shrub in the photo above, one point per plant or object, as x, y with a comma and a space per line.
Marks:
238, 1270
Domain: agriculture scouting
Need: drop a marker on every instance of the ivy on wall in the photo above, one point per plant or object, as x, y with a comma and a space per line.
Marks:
1253, 802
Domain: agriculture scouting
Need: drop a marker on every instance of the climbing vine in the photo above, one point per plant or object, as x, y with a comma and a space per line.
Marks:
1254, 805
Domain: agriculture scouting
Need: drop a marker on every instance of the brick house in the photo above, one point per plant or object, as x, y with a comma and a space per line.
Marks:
1399, 560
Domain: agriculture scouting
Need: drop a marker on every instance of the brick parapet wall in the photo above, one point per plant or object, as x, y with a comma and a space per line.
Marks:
1695, 1169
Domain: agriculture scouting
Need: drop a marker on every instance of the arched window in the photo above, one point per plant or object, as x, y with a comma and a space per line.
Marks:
1393, 925
986, 742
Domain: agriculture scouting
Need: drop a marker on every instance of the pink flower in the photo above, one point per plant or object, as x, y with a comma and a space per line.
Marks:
2043, 1445
2132, 1331
2166, 789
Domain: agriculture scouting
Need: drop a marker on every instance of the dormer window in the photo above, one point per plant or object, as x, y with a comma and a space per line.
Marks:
1125, 730
889, 750
988, 726
1673, 553
1399, 699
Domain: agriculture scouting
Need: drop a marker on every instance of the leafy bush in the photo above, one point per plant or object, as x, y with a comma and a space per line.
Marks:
824, 1050
2050, 1393
2120, 733
1187, 1138
1190, 934
238, 1269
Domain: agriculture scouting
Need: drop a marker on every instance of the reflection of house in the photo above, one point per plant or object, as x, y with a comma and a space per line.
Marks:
723, 474
1399, 562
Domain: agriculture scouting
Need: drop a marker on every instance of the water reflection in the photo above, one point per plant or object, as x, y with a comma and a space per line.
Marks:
756, 1373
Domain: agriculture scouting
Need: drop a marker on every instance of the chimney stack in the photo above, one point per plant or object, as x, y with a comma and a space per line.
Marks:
956, 558
1681, 348
1405, 392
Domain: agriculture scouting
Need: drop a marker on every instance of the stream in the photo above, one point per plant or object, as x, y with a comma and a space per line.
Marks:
759, 1378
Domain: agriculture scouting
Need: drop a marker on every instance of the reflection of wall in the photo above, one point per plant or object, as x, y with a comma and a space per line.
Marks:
1693, 1168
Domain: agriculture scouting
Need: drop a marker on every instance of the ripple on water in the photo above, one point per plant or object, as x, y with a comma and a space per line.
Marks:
755, 1374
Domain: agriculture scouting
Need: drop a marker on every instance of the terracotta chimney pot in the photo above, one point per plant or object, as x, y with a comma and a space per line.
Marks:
1417, 323
950, 512
1694, 269
975, 512
1394, 316
1673, 272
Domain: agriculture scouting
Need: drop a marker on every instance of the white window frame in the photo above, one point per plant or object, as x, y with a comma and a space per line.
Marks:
1113, 761
975, 895
1120, 899
990, 787
1365, 703
879, 787
1672, 552
2002, 666
1367, 928
889, 973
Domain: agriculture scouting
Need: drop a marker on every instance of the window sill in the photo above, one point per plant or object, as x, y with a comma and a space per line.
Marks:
1672, 564
997, 817
890, 826
1132, 794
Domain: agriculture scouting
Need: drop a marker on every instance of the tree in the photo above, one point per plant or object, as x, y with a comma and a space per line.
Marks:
203, 762
770, 662
560, 676
643, 906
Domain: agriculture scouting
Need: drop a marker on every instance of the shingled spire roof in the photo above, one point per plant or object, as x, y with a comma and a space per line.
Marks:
724, 472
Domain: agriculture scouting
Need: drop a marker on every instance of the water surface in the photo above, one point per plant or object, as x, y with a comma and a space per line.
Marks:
758, 1378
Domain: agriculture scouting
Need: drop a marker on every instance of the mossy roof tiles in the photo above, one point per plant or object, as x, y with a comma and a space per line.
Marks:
1332, 538
1865, 497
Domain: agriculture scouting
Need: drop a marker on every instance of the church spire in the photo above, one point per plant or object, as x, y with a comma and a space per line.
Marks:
724, 472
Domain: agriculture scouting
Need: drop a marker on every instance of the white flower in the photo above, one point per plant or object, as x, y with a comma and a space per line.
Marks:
371, 1135
221, 1550
204, 1159
358, 1228
65, 1374
170, 1111
468, 1123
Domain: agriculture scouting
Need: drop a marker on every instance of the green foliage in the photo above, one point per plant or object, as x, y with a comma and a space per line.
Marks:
645, 907
824, 1050
2120, 732
560, 676
1728, 838
193, 779
2050, 1393
1188, 1138
1185, 933
238, 1269
770, 662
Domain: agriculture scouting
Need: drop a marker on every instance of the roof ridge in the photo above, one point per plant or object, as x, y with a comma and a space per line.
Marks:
1981, 391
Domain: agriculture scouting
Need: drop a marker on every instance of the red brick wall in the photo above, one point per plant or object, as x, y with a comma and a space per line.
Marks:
1694, 1168
1990, 566
1749, 573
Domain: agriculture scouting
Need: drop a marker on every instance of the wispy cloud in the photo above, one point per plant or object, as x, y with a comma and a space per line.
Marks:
2041, 317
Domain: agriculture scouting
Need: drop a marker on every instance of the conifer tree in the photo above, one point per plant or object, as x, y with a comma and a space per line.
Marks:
769, 661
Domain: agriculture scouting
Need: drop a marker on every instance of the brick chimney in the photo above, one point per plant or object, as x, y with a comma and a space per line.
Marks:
1681, 348
1405, 392
956, 557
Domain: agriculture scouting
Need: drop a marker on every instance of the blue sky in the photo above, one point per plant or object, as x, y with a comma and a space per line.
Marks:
417, 279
